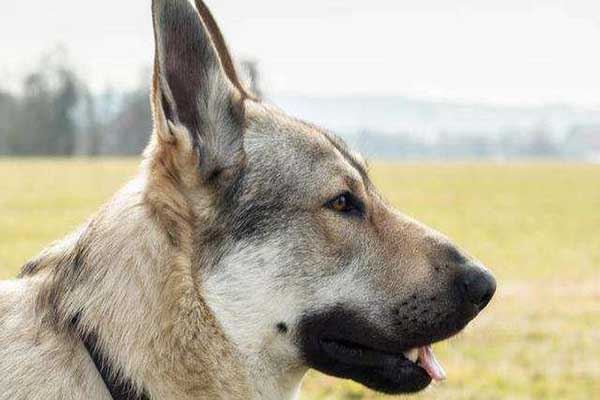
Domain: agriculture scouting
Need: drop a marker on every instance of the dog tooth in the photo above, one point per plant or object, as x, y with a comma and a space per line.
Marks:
412, 355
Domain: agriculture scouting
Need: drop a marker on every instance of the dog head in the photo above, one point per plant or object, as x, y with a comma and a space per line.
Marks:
300, 258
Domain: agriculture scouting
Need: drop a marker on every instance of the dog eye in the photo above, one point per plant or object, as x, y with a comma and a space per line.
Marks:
345, 203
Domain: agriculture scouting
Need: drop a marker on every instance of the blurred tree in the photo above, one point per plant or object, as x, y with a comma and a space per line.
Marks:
541, 143
34, 117
89, 134
64, 100
45, 119
8, 109
128, 131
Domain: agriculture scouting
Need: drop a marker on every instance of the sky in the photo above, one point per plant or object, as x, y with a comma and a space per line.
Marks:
509, 52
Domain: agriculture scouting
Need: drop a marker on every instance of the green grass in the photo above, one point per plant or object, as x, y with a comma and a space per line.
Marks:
536, 225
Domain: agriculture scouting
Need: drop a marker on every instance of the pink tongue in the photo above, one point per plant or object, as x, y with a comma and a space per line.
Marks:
428, 362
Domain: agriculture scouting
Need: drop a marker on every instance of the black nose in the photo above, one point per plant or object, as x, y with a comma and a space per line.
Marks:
476, 285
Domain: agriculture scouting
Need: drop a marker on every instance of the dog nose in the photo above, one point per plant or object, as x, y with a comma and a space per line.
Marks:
476, 285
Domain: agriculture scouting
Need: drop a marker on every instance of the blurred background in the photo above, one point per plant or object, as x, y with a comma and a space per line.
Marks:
497, 79
480, 118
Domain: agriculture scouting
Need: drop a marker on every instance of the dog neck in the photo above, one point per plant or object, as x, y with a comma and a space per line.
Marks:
131, 283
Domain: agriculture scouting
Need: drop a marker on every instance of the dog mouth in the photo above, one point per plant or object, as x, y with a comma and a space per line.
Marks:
342, 343
406, 371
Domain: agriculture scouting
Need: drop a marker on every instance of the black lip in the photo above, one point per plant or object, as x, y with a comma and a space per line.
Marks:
341, 342
383, 371
357, 354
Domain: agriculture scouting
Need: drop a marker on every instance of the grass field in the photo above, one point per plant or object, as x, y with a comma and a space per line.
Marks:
536, 225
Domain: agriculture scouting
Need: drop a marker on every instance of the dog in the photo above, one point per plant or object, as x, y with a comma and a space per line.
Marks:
251, 247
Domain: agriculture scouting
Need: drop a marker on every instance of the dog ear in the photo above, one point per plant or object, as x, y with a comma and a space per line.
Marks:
223, 51
194, 101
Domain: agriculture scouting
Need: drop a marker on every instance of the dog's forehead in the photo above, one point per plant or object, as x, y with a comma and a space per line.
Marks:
279, 140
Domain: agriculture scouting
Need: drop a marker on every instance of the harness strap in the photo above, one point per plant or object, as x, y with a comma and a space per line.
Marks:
118, 387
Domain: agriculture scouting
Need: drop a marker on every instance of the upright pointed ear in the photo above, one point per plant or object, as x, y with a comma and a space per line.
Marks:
223, 50
194, 102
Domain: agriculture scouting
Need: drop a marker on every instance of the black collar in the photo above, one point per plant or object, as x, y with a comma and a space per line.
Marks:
120, 388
